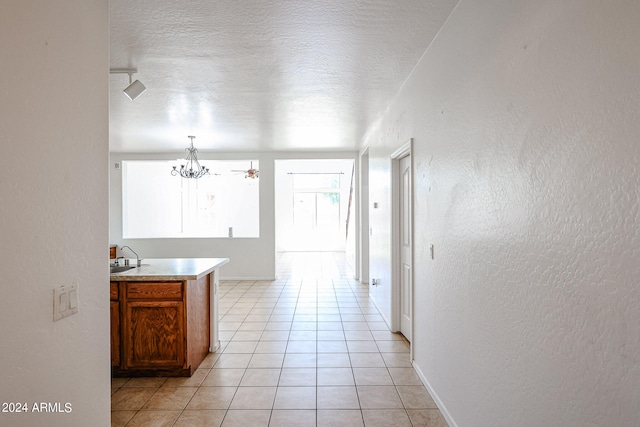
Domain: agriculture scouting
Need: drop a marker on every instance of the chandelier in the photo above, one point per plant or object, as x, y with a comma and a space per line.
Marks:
192, 168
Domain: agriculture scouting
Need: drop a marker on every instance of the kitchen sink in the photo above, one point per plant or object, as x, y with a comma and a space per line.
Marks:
120, 268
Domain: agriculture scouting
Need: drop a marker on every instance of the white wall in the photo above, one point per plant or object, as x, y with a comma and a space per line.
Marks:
525, 122
249, 258
54, 208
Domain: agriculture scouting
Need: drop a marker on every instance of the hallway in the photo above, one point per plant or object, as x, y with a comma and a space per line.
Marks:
308, 349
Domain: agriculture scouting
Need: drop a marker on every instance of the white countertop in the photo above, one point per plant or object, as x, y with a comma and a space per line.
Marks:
169, 269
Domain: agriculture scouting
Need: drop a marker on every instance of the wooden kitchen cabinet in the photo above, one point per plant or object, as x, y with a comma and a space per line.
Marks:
164, 316
162, 327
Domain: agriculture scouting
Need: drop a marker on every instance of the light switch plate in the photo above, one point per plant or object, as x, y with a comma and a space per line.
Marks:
65, 301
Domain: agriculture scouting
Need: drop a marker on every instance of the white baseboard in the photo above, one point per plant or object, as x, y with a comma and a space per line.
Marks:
443, 409
248, 279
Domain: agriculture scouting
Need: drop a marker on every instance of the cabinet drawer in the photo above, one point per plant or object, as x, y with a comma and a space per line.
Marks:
114, 290
154, 290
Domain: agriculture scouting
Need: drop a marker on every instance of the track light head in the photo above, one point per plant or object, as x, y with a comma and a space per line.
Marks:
134, 90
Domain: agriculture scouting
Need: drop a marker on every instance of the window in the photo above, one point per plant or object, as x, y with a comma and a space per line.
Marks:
316, 201
156, 204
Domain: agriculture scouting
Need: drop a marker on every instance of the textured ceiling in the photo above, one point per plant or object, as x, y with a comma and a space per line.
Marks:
251, 75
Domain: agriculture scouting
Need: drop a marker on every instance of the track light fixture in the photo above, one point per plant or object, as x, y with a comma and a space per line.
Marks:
135, 89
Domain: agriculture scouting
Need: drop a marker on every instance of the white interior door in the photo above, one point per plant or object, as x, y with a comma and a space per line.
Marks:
405, 248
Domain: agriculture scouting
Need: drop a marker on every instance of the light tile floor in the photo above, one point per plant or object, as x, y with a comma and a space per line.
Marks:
309, 349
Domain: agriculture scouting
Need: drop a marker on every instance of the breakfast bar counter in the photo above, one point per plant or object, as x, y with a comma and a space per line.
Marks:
170, 269
164, 316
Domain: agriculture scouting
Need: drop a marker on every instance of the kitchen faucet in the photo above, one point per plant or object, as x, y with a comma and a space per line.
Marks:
126, 261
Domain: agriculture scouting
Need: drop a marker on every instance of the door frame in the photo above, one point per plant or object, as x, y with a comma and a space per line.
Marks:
363, 228
396, 182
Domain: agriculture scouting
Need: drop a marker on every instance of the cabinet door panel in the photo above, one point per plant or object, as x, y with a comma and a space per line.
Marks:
154, 334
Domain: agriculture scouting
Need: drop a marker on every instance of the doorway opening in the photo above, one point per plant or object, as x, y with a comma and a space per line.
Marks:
315, 206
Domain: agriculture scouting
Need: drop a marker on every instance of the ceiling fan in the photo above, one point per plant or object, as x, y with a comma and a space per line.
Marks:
249, 173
